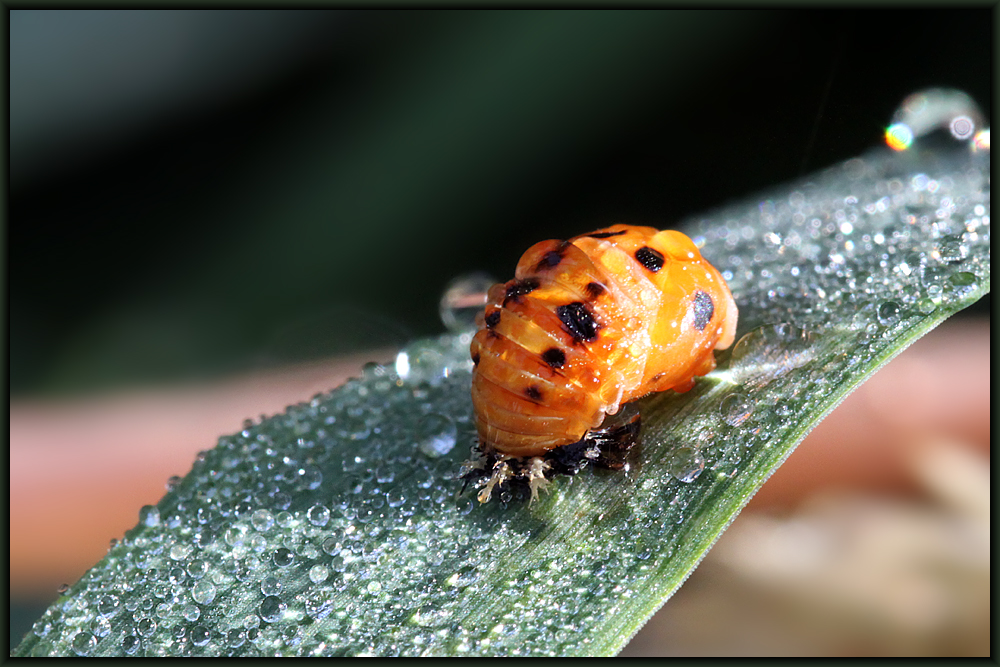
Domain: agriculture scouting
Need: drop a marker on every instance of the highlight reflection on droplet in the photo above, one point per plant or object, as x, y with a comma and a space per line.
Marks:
962, 127
981, 142
898, 136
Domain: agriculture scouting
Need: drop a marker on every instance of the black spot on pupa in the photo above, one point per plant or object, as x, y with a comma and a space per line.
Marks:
554, 357
703, 308
475, 359
552, 258
533, 392
518, 288
595, 290
649, 258
492, 319
605, 235
578, 321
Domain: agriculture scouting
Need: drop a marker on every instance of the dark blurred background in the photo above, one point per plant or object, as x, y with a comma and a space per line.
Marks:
195, 194
198, 192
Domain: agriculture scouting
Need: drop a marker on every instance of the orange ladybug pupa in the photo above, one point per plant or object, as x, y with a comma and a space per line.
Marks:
585, 326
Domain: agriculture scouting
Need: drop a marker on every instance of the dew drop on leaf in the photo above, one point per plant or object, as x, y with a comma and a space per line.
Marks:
686, 464
463, 300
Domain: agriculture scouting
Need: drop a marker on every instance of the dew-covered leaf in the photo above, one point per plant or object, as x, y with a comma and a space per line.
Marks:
340, 528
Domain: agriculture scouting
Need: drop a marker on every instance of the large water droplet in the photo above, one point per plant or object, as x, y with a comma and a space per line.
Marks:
463, 300
200, 635
736, 408
436, 435
146, 627
923, 112
262, 520
770, 351
84, 643
888, 313
270, 586
203, 592
197, 568
318, 515
961, 284
951, 249
130, 644
108, 605
272, 608
149, 516
318, 573
191, 612
423, 361
686, 463
283, 557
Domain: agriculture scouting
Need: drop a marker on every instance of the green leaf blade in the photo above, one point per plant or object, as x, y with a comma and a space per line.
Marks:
339, 527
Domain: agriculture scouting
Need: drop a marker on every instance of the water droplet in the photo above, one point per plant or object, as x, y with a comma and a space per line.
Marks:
270, 586
282, 501
961, 284
430, 616
463, 300
436, 435
926, 305
197, 568
464, 506
312, 477
422, 361
736, 408
130, 644
318, 515
108, 605
686, 463
318, 574
146, 627
888, 313
769, 352
236, 638
923, 112
283, 557
272, 608
951, 249
149, 516
41, 628
331, 546
84, 643
180, 551
262, 521
191, 612
384, 474
203, 592
236, 534
200, 635
373, 370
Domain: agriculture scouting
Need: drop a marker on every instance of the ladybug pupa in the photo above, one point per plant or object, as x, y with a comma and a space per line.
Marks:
586, 326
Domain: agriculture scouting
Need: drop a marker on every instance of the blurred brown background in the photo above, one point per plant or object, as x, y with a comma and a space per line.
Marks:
215, 214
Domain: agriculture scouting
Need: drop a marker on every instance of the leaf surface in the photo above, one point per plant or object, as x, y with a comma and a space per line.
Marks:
340, 528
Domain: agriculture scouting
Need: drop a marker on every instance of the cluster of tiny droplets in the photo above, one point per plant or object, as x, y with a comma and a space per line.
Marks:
847, 262
253, 554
